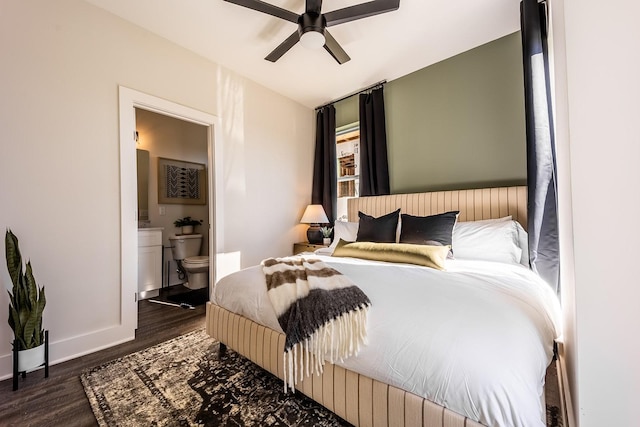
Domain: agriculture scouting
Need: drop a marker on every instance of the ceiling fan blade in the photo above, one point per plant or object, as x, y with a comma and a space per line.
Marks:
360, 11
283, 47
332, 46
267, 8
314, 6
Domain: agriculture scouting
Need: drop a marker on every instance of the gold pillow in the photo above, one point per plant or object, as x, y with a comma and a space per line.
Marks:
426, 255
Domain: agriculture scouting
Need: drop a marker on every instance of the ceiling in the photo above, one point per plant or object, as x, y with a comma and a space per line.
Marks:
382, 47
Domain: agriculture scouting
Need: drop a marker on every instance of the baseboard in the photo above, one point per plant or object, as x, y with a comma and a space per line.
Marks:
71, 348
565, 391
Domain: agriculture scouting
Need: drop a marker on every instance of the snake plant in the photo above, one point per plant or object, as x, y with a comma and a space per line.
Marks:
26, 300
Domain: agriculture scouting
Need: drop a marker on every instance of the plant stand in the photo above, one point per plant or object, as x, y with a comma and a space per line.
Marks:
24, 373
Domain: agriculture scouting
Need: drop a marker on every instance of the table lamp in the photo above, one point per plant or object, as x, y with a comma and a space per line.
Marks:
314, 215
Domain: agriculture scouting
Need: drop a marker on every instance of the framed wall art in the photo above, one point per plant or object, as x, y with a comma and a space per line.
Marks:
180, 182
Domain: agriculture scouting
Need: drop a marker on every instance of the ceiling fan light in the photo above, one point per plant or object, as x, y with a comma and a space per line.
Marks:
312, 40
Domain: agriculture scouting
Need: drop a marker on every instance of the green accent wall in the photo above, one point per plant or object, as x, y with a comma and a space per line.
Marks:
456, 124
347, 111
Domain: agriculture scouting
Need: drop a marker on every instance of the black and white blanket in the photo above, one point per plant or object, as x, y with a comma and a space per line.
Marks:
322, 312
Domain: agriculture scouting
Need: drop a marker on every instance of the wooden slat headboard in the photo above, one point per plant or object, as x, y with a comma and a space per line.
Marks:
477, 204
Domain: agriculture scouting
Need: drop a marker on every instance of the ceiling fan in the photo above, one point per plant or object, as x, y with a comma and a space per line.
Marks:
312, 24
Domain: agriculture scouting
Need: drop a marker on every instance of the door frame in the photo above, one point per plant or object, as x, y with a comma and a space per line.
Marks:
129, 100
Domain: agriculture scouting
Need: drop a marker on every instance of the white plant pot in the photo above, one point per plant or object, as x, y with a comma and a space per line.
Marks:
326, 240
187, 229
31, 358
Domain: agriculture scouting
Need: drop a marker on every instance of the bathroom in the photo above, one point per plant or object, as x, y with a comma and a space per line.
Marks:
161, 140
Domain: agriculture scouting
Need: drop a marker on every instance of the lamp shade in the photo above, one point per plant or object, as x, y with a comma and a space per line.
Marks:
314, 214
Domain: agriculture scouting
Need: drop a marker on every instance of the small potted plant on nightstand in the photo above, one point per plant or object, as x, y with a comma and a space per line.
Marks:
187, 224
326, 235
26, 304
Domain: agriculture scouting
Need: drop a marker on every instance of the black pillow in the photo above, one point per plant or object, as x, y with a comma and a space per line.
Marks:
381, 229
428, 230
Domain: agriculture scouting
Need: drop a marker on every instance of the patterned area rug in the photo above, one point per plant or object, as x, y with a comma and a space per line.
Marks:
183, 382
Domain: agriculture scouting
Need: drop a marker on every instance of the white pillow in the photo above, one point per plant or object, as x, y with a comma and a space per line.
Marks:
488, 240
523, 242
347, 231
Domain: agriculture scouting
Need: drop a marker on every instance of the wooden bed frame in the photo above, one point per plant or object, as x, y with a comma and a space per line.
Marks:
358, 399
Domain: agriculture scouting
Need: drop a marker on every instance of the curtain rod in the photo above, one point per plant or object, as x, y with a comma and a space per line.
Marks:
380, 83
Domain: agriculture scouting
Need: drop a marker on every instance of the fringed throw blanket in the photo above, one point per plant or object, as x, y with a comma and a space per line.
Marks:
322, 312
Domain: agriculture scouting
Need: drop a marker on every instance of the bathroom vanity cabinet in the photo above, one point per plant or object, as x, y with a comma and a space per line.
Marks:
149, 262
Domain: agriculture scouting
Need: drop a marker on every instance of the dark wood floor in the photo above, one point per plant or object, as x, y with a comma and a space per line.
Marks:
60, 399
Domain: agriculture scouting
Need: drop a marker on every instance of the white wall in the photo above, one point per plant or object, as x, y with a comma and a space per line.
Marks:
599, 145
62, 63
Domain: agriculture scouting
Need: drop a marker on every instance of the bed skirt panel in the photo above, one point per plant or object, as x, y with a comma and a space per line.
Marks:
356, 398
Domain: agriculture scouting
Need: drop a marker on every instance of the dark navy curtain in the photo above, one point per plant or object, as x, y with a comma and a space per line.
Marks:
541, 158
374, 165
324, 191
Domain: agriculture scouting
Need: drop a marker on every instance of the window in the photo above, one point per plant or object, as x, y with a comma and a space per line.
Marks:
348, 167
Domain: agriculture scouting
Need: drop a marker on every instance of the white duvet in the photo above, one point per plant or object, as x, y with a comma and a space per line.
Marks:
476, 338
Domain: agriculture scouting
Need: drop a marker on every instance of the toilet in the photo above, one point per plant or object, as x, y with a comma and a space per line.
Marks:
186, 252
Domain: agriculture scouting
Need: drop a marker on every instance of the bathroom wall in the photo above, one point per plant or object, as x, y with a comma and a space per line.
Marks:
170, 138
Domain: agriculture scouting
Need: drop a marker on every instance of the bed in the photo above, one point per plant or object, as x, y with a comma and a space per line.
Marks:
511, 339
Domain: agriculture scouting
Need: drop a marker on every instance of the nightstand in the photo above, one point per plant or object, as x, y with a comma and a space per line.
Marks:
306, 247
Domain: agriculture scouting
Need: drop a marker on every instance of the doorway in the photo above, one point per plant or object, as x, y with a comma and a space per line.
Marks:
130, 100
172, 188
